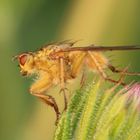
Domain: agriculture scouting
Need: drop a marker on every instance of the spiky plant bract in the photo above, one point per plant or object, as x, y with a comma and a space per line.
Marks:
98, 113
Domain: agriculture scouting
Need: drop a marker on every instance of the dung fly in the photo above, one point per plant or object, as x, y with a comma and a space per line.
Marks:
57, 63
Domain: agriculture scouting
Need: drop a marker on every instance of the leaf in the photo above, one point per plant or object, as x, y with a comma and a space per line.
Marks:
96, 113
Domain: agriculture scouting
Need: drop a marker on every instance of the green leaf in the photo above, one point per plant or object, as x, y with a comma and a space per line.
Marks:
99, 113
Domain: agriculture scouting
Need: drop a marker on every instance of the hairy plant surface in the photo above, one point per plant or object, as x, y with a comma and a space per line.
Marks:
98, 113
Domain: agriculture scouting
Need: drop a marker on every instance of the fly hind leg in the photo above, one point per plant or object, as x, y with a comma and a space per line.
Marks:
96, 64
115, 70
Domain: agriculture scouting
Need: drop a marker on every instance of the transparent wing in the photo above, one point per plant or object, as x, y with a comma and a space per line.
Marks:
102, 48
62, 44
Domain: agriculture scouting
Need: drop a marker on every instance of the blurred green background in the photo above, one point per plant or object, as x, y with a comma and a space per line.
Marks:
26, 25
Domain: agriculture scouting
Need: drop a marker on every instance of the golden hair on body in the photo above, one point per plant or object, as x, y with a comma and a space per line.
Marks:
57, 63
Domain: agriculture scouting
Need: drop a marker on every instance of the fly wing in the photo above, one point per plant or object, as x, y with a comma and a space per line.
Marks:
62, 45
101, 48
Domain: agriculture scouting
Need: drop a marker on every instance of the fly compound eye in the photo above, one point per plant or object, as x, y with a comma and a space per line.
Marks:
23, 59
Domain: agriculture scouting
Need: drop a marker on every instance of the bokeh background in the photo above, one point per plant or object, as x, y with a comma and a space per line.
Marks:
26, 25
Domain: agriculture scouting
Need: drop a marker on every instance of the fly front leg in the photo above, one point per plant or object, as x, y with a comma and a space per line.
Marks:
39, 88
49, 100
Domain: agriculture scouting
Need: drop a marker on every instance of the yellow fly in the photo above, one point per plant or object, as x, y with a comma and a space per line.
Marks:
57, 63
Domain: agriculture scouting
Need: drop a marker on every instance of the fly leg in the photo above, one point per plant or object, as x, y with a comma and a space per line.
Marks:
62, 82
49, 100
77, 66
102, 73
83, 78
39, 88
115, 70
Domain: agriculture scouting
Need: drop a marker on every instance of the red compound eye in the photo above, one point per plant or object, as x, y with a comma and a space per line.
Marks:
23, 59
